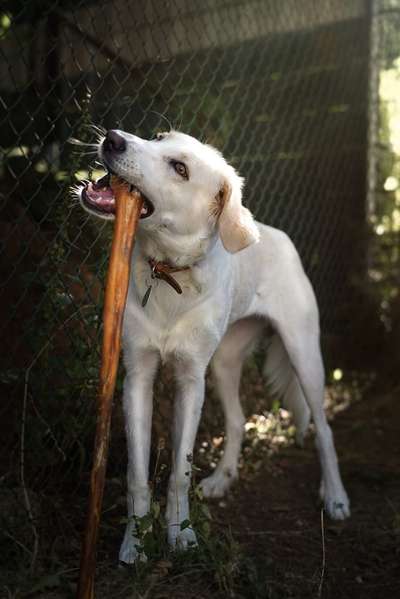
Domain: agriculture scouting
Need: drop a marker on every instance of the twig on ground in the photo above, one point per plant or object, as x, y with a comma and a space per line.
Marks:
48, 430
28, 505
321, 582
16, 541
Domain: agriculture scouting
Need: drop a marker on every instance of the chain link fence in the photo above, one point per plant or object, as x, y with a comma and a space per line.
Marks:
286, 90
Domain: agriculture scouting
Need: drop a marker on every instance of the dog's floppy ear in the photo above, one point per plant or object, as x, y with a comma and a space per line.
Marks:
236, 226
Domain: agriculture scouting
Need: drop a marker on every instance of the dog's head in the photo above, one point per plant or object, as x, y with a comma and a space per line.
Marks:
188, 187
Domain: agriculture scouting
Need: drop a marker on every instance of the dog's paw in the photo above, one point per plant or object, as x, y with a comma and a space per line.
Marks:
181, 539
218, 483
337, 505
128, 553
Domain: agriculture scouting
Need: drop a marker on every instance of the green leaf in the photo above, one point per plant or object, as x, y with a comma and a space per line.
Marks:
156, 510
206, 512
144, 524
198, 492
185, 524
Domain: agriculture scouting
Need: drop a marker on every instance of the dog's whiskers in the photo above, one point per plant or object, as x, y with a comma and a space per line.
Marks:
99, 129
78, 142
178, 127
163, 117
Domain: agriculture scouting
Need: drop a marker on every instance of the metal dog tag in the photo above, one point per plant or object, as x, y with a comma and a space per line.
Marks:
146, 296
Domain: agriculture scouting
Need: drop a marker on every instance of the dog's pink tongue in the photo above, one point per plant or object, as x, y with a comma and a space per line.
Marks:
103, 197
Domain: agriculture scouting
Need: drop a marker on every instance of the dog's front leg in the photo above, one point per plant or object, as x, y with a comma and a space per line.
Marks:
188, 405
138, 407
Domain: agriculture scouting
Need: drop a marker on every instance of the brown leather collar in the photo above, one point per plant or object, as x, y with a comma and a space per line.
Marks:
163, 270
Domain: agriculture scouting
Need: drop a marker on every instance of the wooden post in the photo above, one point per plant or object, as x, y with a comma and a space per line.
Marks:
128, 209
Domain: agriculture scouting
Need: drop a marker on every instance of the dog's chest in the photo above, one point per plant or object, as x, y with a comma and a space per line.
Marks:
169, 321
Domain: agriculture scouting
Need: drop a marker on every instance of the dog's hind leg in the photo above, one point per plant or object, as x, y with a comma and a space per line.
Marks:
284, 384
298, 328
226, 366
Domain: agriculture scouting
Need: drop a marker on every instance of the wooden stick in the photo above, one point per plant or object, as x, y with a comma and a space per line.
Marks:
128, 209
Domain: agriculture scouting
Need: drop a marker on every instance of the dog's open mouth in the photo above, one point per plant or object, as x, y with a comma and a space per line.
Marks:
99, 197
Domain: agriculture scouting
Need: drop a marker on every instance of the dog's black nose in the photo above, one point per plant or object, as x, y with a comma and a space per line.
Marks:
114, 142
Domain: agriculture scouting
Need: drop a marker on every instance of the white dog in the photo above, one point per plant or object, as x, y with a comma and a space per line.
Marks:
206, 280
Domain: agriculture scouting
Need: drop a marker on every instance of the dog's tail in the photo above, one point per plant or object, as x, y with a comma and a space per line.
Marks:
283, 383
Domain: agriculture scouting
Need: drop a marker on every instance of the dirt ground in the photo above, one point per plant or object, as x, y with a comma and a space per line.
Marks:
284, 546
268, 538
276, 517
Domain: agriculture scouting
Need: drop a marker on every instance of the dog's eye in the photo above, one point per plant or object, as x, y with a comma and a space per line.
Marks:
159, 136
180, 168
